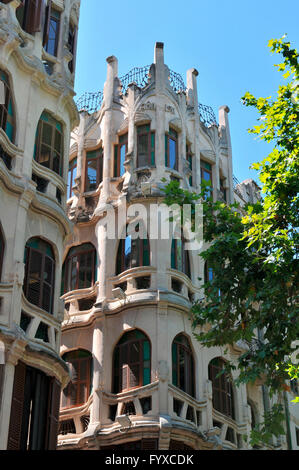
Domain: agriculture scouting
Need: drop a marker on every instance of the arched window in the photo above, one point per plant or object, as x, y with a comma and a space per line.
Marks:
131, 362
222, 388
180, 257
49, 143
39, 274
132, 253
79, 269
183, 365
2, 248
78, 390
7, 113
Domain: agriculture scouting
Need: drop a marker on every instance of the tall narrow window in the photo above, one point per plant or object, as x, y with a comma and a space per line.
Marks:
39, 274
94, 170
131, 362
2, 247
209, 275
49, 143
189, 157
79, 268
180, 256
30, 15
145, 146
79, 388
222, 388
72, 44
72, 174
206, 175
7, 114
34, 410
132, 253
171, 149
120, 152
183, 365
51, 37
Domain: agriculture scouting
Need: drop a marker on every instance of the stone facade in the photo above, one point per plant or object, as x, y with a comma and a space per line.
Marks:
37, 63
146, 128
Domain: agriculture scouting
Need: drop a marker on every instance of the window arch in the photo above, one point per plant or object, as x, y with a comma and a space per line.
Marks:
132, 253
79, 268
180, 256
131, 362
223, 400
39, 274
7, 111
49, 143
79, 388
183, 365
2, 248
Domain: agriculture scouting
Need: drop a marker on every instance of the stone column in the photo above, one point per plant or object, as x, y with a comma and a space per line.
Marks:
224, 126
97, 384
160, 108
192, 100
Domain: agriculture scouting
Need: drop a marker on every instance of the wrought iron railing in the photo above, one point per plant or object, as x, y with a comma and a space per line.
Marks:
90, 102
138, 75
176, 81
207, 115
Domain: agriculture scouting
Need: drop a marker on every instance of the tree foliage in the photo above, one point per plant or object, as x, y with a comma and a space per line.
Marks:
253, 251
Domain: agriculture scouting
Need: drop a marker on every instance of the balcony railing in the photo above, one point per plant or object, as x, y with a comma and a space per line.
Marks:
137, 75
90, 102
207, 115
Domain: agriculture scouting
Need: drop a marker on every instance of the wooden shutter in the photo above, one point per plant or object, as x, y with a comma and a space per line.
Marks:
35, 14
16, 414
53, 415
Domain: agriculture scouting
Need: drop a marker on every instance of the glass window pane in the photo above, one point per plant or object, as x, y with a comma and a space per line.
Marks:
143, 150
91, 177
45, 156
128, 252
47, 134
122, 159
172, 153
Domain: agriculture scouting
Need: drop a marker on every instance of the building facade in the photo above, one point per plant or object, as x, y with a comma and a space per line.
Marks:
37, 114
140, 380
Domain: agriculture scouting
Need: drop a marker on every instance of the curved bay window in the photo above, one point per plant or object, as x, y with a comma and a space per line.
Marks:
39, 274
145, 146
180, 257
7, 114
171, 149
223, 400
79, 268
78, 390
94, 170
120, 152
183, 365
49, 143
2, 248
132, 253
131, 362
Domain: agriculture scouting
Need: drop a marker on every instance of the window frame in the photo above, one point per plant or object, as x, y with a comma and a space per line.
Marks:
67, 267
142, 245
186, 264
171, 135
5, 116
72, 166
151, 157
99, 158
30, 253
47, 119
122, 141
78, 381
189, 380
117, 370
210, 172
57, 20
224, 393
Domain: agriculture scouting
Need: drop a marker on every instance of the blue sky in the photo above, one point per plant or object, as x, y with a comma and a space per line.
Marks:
226, 41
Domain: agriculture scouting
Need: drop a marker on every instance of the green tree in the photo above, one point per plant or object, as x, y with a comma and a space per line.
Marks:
253, 251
